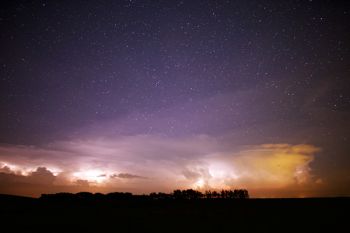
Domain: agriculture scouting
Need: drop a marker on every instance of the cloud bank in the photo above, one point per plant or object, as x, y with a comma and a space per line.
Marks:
143, 164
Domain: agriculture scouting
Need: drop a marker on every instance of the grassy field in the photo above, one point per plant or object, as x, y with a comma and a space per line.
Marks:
18, 214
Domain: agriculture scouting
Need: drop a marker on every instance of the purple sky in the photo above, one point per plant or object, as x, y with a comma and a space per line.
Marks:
147, 96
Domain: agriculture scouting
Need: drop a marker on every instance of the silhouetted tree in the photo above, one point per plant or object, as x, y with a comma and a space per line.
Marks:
58, 197
192, 194
208, 194
230, 194
224, 194
119, 196
99, 196
215, 194
177, 194
85, 195
160, 196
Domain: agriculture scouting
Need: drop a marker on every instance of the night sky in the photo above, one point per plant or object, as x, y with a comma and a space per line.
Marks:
146, 96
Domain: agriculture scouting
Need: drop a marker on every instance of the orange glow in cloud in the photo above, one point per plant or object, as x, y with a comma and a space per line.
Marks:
267, 166
277, 165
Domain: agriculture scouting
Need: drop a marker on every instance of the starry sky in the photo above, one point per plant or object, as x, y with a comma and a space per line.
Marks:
146, 96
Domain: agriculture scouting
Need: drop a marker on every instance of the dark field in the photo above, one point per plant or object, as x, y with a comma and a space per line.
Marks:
19, 214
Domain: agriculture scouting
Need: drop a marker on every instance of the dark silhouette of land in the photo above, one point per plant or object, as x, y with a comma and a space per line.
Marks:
180, 211
187, 194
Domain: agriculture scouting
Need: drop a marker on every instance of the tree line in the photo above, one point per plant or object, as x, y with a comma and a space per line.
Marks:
190, 194
187, 194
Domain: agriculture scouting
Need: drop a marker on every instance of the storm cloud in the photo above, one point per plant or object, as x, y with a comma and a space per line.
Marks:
199, 162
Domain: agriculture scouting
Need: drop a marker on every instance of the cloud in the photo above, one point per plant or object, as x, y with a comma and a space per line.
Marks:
31, 184
5, 169
266, 166
41, 176
84, 183
199, 161
193, 173
273, 165
126, 176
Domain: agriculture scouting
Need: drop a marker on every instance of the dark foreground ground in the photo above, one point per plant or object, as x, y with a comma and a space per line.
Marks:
19, 214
